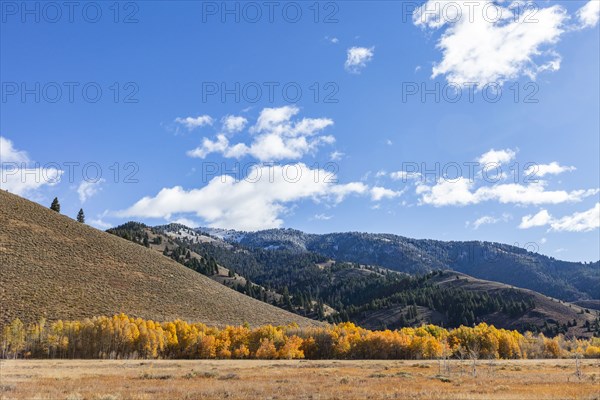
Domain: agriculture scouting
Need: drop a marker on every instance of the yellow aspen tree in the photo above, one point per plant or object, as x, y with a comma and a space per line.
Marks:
291, 349
266, 350
241, 352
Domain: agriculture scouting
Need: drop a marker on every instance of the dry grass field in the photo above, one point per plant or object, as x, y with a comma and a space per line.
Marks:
210, 379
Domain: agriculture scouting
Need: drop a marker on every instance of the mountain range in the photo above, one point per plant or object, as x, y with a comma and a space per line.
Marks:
385, 281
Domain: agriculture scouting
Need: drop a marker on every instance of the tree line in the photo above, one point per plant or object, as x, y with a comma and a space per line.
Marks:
124, 337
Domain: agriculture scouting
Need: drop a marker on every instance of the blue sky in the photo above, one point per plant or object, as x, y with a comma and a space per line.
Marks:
360, 149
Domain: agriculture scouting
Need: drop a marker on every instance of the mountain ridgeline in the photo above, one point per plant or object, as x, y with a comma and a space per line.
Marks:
297, 272
569, 281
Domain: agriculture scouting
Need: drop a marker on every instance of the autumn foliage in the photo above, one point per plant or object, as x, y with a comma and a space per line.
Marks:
123, 337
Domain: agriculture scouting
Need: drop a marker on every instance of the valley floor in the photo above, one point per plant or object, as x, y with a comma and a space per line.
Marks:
252, 379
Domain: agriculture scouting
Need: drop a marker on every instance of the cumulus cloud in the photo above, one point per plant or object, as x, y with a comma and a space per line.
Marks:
461, 192
378, 193
322, 217
540, 219
589, 14
192, 123
497, 157
489, 219
275, 137
584, 221
488, 41
405, 176
19, 175
554, 168
187, 222
336, 155
99, 223
256, 202
87, 189
357, 58
578, 222
220, 145
8, 153
233, 124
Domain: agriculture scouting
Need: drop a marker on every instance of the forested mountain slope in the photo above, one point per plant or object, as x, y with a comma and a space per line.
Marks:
569, 281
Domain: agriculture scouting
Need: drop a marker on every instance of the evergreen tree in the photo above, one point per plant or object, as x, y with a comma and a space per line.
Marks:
286, 298
80, 216
55, 206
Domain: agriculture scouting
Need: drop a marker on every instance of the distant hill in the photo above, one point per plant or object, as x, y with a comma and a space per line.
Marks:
310, 284
569, 281
55, 267
547, 314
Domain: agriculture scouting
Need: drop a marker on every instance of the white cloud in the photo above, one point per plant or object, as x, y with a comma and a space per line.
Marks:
256, 202
210, 146
553, 168
99, 223
22, 181
275, 137
380, 173
87, 189
486, 42
577, 222
540, 219
497, 157
322, 217
446, 193
19, 175
474, 189
332, 39
461, 192
378, 193
192, 123
336, 155
8, 154
187, 222
405, 176
589, 14
233, 124
357, 58
489, 219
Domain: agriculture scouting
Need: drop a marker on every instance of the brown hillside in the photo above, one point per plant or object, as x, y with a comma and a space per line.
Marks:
55, 267
546, 308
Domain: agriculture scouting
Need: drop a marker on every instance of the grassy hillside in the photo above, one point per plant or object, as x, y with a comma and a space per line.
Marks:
55, 267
